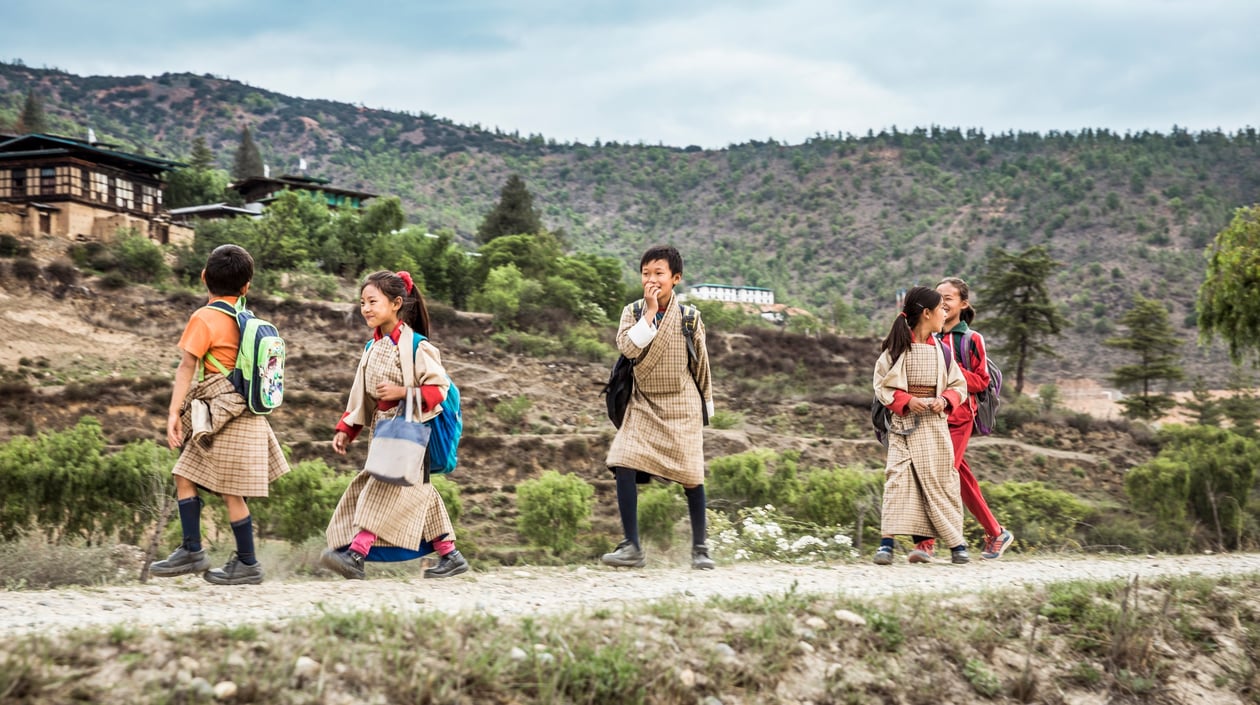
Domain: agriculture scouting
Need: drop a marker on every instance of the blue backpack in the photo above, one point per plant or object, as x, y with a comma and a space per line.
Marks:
445, 429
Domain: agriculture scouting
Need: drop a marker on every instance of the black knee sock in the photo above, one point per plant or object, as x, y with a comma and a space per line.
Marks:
244, 532
696, 504
628, 503
190, 522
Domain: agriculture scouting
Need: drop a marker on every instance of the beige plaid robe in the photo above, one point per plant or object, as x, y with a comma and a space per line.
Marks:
399, 516
663, 432
240, 456
921, 491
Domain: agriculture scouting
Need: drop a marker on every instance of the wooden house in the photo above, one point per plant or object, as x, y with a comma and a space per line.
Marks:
82, 190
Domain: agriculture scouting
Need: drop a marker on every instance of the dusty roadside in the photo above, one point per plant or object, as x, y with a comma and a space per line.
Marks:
188, 602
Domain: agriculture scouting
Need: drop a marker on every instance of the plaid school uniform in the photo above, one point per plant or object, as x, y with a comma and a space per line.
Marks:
921, 493
400, 516
663, 430
240, 456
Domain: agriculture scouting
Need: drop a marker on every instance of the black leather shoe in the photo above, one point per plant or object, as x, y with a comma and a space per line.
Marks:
451, 564
235, 573
181, 562
700, 558
627, 555
348, 564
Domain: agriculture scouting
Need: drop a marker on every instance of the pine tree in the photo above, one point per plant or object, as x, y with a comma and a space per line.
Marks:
1022, 313
249, 161
514, 214
1205, 410
202, 158
1157, 346
32, 118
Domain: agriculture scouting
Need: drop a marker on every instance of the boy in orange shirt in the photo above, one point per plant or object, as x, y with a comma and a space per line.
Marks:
229, 451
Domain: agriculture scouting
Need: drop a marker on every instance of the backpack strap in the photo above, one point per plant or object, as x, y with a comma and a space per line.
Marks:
222, 307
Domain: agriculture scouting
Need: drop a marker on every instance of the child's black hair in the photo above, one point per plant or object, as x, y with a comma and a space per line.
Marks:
665, 252
918, 300
964, 292
414, 312
228, 269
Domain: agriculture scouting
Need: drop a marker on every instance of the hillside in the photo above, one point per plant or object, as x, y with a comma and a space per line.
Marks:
837, 219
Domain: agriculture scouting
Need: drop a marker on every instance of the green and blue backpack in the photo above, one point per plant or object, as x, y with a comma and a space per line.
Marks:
259, 372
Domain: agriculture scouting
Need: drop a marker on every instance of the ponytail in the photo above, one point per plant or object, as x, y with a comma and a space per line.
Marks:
918, 300
399, 285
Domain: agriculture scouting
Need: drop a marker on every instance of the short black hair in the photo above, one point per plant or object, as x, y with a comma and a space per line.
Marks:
665, 252
228, 269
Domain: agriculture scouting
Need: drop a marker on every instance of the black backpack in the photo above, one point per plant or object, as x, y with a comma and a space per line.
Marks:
621, 380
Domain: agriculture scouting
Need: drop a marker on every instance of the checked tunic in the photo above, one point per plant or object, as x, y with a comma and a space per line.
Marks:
240, 455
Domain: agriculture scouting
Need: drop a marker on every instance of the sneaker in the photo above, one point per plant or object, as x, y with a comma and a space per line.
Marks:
236, 573
996, 546
883, 556
348, 564
451, 564
918, 555
700, 558
959, 556
627, 555
181, 562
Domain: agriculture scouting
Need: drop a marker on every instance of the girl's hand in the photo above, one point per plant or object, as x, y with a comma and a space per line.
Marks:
341, 439
390, 392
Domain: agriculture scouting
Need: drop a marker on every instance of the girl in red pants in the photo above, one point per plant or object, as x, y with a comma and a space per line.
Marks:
956, 294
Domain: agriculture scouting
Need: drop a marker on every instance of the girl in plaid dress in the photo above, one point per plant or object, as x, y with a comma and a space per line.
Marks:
920, 386
374, 520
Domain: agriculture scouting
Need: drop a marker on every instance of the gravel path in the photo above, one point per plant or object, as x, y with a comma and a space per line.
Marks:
187, 602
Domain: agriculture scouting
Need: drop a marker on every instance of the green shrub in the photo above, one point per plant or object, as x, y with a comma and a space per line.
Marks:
660, 509
300, 502
723, 420
1202, 477
843, 497
25, 269
113, 281
754, 478
584, 345
512, 411
528, 344
65, 484
62, 272
1038, 515
449, 492
139, 258
12, 247
553, 510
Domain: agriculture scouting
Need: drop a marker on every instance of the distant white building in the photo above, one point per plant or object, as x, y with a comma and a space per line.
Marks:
739, 294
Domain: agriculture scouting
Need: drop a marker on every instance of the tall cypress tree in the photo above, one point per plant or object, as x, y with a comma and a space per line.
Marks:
514, 214
249, 161
202, 158
32, 118
1158, 347
1022, 313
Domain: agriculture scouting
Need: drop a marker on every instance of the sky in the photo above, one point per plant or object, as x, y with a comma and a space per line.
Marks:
710, 73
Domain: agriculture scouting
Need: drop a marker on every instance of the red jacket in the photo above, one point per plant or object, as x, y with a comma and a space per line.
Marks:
975, 370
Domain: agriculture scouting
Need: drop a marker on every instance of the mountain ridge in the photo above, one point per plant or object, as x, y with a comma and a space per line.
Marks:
836, 224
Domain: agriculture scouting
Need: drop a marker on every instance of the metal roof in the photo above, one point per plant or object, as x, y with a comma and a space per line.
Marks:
37, 145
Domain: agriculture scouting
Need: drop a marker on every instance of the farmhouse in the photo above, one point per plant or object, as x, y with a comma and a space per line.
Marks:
82, 190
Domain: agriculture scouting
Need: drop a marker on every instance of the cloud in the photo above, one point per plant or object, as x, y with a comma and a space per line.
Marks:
697, 73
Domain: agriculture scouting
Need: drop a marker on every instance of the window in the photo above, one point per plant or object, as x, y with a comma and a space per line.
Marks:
123, 194
47, 181
100, 187
19, 182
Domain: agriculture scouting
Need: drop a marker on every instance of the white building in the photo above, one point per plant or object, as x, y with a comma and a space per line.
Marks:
739, 294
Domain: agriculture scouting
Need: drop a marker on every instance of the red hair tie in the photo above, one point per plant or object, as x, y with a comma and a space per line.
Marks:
406, 277
903, 315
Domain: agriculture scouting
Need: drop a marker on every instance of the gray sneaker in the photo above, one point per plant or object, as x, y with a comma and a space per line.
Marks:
236, 573
700, 558
959, 556
181, 562
627, 555
348, 564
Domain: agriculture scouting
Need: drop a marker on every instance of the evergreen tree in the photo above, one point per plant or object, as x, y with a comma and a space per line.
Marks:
199, 183
249, 161
1023, 314
32, 118
1205, 410
1242, 408
1229, 300
1157, 346
514, 214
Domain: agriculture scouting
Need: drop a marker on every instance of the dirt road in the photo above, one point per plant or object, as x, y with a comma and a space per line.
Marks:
187, 602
